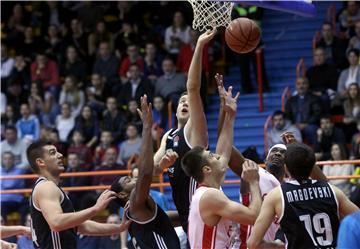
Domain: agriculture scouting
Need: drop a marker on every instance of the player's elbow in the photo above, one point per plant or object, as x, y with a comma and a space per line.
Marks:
56, 226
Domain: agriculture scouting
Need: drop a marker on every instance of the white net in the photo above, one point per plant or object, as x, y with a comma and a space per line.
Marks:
210, 14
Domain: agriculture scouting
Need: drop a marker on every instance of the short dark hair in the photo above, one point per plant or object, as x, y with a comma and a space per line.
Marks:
34, 151
327, 23
117, 188
353, 50
11, 127
278, 113
299, 161
193, 162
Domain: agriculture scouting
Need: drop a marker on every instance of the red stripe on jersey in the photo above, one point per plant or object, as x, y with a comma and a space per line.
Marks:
208, 236
244, 228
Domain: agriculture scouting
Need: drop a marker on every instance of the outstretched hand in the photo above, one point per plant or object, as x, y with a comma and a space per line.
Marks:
221, 89
146, 112
230, 105
288, 138
206, 37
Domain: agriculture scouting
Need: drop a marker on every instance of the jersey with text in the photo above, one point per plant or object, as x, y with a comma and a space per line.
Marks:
310, 214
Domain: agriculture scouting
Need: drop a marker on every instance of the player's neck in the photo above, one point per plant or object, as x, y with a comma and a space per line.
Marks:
50, 177
210, 183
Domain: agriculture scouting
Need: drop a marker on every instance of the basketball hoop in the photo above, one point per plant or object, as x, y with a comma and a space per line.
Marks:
210, 14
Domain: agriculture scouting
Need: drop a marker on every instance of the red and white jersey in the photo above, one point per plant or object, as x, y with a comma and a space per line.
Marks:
267, 183
201, 235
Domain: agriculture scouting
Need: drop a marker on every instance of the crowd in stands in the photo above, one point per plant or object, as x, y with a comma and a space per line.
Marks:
328, 90
73, 73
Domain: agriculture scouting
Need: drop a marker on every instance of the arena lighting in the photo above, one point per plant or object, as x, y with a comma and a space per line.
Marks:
298, 7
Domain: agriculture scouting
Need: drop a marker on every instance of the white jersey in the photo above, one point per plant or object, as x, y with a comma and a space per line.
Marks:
267, 183
201, 235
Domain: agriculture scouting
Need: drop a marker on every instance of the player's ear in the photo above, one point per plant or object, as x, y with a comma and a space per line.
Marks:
40, 162
206, 169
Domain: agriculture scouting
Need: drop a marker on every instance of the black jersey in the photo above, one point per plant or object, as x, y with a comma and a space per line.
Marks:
310, 214
183, 186
156, 233
43, 237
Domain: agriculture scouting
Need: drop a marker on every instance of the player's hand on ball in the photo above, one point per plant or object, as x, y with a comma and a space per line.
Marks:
168, 159
206, 37
250, 171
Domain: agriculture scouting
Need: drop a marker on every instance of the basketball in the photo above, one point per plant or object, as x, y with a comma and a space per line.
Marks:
242, 35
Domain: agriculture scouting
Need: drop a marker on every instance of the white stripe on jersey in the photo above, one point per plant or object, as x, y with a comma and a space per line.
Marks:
159, 241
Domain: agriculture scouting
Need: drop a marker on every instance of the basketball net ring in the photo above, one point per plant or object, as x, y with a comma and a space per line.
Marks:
210, 14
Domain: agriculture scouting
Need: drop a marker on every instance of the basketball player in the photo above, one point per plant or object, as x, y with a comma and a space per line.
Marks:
54, 221
150, 227
269, 178
191, 131
211, 212
308, 210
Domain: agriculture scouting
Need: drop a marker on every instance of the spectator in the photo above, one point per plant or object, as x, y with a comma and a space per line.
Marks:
352, 110
30, 45
72, 95
16, 95
88, 124
279, 126
51, 109
55, 45
304, 110
160, 114
73, 166
113, 241
135, 86
132, 116
99, 35
54, 14
187, 51
28, 126
131, 146
327, 135
12, 202
351, 74
322, 78
90, 13
8, 119
125, 37
65, 122
35, 100
54, 138
2, 103
21, 72
354, 42
25, 242
355, 142
334, 47
106, 141
132, 58
338, 152
176, 34
113, 119
109, 163
78, 39
171, 84
78, 147
7, 64
16, 24
101, 91
152, 62
349, 17
74, 66
16, 146
46, 71
106, 64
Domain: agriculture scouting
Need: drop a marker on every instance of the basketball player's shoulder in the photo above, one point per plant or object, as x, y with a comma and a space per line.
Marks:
267, 177
213, 196
47, 188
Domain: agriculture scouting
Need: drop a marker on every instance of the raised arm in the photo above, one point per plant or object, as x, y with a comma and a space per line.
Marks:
9, 231
140, 196
226, 137
236, 158
196, 127
162, 158
346, 206
48, 198
263, 222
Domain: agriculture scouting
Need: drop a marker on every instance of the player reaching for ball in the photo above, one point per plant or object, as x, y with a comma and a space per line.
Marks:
191, 131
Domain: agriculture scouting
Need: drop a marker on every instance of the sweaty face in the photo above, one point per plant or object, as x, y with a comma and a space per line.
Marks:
213, 161
182, 111
276, 156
